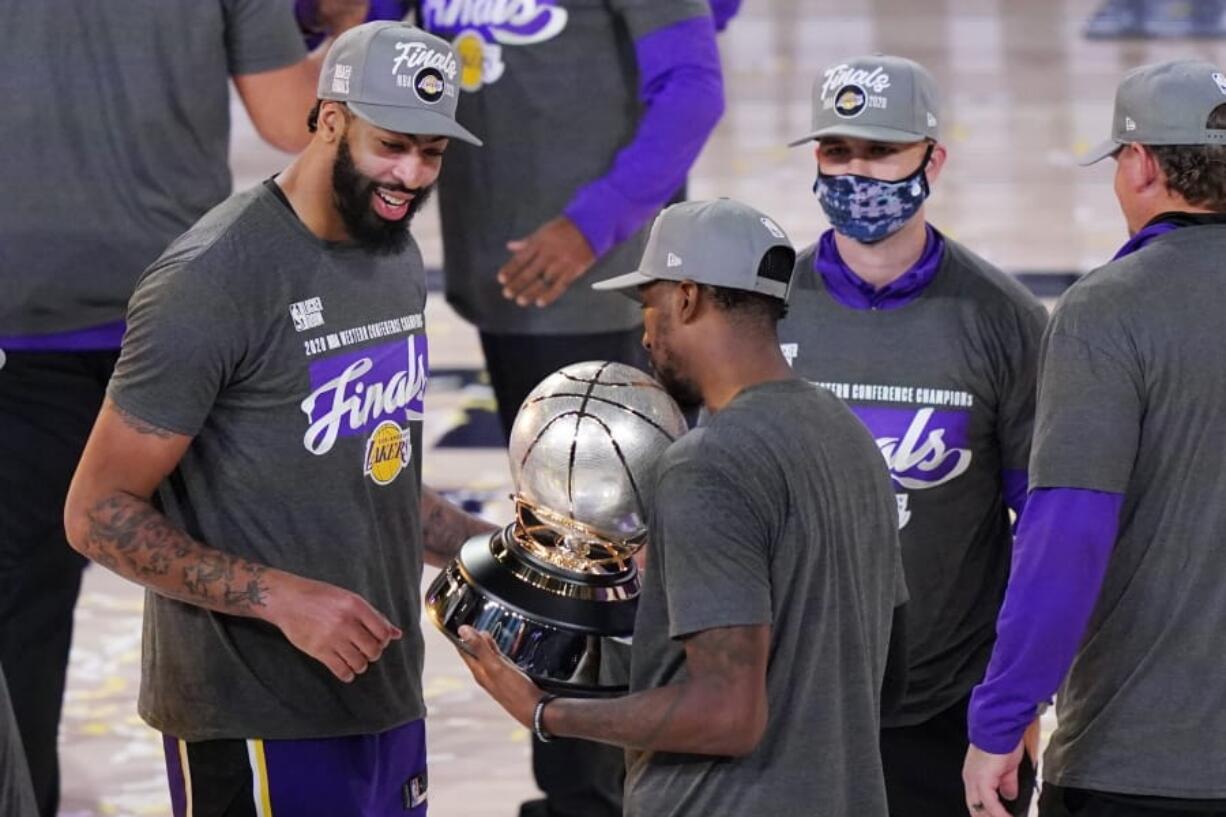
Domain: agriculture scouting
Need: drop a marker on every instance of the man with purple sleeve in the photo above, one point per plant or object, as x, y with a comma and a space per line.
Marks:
1117, 587
595, 113
935, 350
600, 109
127, 146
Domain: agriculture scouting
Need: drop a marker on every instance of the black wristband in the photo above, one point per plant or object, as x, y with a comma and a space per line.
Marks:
538, 718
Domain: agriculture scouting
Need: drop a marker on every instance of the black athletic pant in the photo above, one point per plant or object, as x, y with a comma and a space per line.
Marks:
517, 363
48, 403
16, 793
1057, 801
579, 778
923, 767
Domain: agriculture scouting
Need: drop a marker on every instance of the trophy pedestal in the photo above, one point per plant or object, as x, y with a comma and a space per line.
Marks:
549, 620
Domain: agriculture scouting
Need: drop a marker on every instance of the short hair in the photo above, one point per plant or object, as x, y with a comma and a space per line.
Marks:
313, 116
754, 308
1197, 172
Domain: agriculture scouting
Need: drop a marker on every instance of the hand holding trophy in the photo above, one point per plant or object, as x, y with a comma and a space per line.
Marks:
560, 577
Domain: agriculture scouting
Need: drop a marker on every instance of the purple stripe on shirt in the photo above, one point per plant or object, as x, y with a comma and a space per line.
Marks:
94, 339
854, 292
682, 90
175, 776
1145, 235
1060, 556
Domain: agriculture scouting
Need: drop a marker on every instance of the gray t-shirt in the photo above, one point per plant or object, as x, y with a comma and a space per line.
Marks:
557, 97
777, 512
1132, 400
299, 367
116, 134
946, 385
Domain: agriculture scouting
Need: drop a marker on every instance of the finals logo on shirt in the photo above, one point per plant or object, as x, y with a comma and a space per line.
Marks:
926, 443
480, 28
923, 449
378, 393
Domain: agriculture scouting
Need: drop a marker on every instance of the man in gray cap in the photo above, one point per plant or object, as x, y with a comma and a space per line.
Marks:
773, 573
935, 350
1117, 587
116, 135
270, 388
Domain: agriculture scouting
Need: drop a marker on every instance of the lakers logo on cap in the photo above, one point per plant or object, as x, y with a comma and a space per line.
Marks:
429, 85
850, 101
388, 451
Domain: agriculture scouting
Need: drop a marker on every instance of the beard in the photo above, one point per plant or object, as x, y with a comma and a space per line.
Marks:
351, 192
682, 389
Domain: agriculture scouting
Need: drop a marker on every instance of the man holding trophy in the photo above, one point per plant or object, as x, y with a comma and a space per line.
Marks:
762, 627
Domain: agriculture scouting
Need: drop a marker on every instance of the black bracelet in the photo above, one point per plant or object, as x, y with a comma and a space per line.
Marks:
538, 719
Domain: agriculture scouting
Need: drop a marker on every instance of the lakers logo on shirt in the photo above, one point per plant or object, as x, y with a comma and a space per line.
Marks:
388, 451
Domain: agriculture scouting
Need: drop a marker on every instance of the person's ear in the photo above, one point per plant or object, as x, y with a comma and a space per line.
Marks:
333, 119
686, 298
936, 163
1137, 170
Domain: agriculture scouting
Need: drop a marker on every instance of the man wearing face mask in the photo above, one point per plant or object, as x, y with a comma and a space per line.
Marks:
935, 351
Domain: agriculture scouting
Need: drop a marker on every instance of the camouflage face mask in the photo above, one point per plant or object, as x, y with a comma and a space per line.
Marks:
866, 209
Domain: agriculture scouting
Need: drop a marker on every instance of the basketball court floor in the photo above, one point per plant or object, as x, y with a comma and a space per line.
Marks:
1024, 93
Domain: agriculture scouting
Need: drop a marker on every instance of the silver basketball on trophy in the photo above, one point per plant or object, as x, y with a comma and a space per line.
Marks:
550, 585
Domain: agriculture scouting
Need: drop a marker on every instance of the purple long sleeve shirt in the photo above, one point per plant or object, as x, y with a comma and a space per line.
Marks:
1060, 557
682, 90
723, 11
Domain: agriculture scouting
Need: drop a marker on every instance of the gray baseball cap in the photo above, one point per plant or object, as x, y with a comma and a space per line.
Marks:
720, 243
882, 98
1165, 104
396, 77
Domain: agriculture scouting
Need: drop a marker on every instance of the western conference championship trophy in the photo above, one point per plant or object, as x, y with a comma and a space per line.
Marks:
560, 577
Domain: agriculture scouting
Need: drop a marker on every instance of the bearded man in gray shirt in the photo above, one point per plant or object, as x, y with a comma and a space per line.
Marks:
116, 134
271, 390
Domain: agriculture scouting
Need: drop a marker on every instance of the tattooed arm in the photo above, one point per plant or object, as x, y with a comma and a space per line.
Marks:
719, 709
109, 518
445, 528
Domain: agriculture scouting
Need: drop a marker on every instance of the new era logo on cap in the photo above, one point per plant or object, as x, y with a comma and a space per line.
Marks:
724, 244
773, 228
1168, 103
